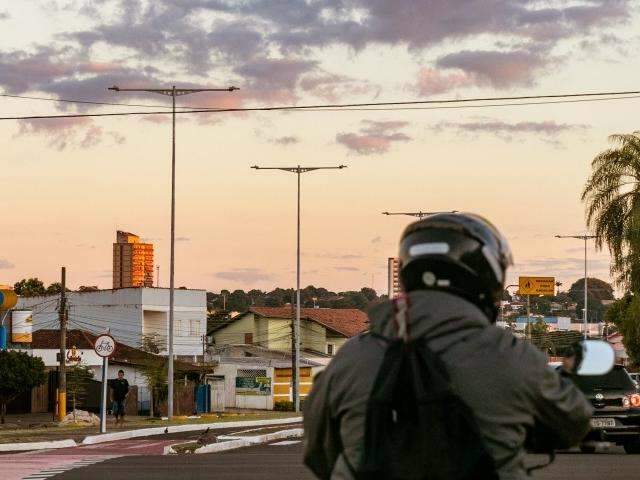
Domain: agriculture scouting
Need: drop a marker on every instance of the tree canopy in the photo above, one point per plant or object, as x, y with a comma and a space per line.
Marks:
612, 197
239, 300
19, 372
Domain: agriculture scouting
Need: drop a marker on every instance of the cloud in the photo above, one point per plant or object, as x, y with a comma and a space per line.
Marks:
376, 239
287, 140
433, 82
65, 132
272, 49
347, 269
496, 68
546, 130
374, 137
245, 275
5, 264
183, 239
4, 15
564, 266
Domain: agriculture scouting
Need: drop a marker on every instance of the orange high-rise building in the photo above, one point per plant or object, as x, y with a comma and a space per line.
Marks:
132, 262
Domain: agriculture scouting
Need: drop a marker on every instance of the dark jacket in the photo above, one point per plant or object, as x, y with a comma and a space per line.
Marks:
505, 381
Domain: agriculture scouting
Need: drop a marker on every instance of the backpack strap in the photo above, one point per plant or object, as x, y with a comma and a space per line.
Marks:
401, 306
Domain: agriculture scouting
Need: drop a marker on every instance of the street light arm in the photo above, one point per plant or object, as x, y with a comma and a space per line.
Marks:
170, 91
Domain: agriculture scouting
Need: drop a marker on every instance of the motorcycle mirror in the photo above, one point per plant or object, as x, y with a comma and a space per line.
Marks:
598, 358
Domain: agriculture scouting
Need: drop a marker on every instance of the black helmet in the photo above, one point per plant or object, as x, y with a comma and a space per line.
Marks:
460, 253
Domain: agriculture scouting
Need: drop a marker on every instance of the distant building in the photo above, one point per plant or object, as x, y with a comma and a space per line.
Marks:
393, 275
132, 261
130, 314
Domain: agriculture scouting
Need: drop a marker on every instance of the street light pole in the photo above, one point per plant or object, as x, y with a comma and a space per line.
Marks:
584, 237
418, 214
172, 92
298, 170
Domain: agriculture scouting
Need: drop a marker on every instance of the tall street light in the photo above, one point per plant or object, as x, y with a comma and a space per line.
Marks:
172, 92
586, 237
296, 326
418, 214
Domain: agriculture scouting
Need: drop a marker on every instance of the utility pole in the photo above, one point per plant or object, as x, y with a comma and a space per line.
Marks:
586, 237
158, 276
62, 378
418, 214
204, 347
294, 372
172, 92
298, 170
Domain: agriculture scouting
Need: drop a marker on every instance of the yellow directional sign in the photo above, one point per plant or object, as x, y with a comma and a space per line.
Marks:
537, 286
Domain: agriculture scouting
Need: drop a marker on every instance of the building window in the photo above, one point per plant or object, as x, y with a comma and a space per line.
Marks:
177, 328
330, 349
194, 327
248, 338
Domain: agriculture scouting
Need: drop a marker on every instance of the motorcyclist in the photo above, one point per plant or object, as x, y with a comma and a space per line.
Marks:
453, 272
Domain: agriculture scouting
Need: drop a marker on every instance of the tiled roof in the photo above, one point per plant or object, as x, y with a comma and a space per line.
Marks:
346, 321
83, 340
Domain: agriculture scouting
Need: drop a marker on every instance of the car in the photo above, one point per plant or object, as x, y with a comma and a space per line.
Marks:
616, 401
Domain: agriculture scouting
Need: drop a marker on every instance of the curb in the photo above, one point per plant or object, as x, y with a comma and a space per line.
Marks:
240, 442
18, 447
146, 432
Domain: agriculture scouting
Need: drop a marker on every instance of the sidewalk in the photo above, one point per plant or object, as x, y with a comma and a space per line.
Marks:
40, 427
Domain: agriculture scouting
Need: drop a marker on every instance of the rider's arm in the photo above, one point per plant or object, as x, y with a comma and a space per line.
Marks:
320, 447
561, 408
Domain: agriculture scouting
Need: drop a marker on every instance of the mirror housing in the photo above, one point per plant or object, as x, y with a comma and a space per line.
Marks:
598, 358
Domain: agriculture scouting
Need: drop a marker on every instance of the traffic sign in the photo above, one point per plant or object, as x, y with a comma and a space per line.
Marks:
537, 286
105, 345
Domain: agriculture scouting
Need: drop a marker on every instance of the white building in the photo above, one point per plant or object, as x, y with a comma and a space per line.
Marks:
129, 314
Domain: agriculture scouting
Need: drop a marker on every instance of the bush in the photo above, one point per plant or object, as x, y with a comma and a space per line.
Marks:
286, 406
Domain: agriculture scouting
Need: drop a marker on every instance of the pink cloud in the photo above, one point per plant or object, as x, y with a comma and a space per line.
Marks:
67, 132
374, 137
433, 82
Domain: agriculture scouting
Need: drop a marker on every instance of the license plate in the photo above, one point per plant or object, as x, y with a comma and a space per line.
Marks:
603, 422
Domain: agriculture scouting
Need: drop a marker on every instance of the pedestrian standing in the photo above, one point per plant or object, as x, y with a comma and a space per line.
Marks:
120, 388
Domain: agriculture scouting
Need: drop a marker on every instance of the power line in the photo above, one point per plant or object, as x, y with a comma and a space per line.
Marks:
383, 106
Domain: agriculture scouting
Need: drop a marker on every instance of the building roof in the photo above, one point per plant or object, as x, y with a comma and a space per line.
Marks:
345, 321
83, 340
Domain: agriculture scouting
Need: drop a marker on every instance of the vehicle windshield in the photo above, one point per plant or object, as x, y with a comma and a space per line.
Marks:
616, 379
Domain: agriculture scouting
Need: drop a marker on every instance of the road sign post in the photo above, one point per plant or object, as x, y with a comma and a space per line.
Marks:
104, 346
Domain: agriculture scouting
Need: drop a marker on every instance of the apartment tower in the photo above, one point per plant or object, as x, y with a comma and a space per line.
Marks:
132, 261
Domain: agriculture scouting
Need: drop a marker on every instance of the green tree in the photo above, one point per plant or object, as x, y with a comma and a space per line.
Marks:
153, 368
612, 197
78, 378
625, 315
19, 372
29, 287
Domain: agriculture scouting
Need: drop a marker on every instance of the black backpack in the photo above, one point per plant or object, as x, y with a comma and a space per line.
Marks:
417, 428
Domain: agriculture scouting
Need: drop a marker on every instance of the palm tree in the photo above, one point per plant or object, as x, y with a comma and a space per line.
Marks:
612, 197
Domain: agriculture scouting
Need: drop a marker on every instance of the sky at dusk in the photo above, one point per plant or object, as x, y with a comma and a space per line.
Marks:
67, 185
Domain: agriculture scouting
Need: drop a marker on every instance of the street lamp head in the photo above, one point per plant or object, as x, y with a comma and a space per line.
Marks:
115, 88
255, 167
231, 89
342, 166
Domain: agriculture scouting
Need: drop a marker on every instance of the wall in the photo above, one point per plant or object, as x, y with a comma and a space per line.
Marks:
279, 335
313, 336
234, 333
122, 311
229, 371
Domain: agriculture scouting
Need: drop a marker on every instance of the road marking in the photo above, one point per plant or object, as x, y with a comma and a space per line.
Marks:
55, 470
286, 442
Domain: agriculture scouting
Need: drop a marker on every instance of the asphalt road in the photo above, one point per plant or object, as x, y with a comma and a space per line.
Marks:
283, 461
